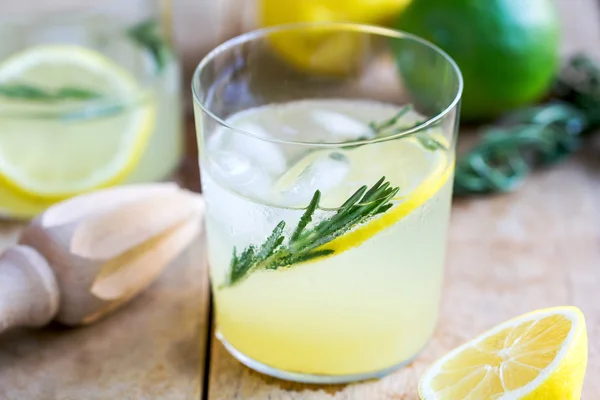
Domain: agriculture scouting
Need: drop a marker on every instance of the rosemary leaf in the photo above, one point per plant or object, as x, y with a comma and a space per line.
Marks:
378, 127
390, 127
148, 35
307, 216
240, 266
272, 242
383, 209
428, 142
348, 204
23, 91
302, 257
375, 187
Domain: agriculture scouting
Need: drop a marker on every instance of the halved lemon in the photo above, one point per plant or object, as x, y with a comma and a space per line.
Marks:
54, 149
540, 355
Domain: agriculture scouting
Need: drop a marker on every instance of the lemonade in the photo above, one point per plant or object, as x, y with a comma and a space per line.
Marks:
327, 197
366, 309
87, 100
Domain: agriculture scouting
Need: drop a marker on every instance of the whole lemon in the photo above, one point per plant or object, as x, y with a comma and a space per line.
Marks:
274, 12
507, 50
324, 51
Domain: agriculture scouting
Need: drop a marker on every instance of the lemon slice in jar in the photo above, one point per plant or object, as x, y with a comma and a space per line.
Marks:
72, 121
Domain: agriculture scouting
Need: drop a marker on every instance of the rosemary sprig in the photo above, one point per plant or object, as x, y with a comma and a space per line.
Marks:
429, 142
24, 91
148, 35
391, 127
379, 127
309, 241
535, 136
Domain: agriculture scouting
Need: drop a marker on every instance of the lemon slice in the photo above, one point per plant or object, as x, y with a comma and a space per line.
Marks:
52, 150
14, 205
420, 173
322, 50
540, 355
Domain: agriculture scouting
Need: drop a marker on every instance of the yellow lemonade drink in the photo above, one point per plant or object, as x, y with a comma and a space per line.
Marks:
370, 305
328, 185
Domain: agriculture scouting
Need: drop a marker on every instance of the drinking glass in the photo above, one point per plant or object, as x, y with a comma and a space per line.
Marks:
326, 155
89, 97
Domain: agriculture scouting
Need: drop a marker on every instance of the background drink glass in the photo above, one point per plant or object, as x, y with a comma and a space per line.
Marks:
285, 111
45, 139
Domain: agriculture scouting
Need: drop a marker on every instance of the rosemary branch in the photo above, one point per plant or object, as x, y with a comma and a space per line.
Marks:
534, 136
309, 240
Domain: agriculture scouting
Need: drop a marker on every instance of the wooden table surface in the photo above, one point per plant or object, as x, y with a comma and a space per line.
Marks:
507, 255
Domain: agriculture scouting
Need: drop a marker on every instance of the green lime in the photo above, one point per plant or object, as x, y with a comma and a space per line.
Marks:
507, 50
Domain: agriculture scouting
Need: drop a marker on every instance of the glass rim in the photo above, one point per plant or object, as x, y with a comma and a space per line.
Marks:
347, 26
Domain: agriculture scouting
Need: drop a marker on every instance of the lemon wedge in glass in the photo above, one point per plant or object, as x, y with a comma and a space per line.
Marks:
53, 148
419, 172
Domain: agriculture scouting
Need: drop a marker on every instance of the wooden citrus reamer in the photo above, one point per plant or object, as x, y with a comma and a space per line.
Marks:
86, 256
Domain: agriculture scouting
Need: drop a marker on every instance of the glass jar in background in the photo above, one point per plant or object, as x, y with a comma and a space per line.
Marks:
89, 98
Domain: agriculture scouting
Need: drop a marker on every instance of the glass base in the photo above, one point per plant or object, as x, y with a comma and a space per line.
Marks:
308, 378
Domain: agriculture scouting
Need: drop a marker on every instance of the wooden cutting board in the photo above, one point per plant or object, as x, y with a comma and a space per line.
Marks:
153, 348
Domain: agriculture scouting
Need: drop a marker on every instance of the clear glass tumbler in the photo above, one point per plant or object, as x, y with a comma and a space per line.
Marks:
326, 156
89, 97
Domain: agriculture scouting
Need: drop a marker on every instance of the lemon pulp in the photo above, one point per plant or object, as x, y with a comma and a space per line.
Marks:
540, 355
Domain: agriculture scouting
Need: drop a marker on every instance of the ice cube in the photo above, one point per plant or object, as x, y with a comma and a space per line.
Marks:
240, 219
233, 168
264, 153
238, 173
319, 170
340, 125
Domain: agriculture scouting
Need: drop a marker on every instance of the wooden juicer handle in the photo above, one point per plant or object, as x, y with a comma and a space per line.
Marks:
88, 255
